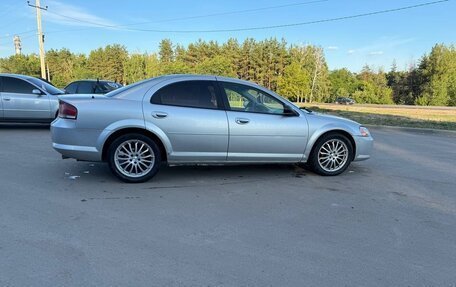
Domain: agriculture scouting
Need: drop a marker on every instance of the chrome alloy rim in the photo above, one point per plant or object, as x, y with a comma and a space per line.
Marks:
134, 158
333, 155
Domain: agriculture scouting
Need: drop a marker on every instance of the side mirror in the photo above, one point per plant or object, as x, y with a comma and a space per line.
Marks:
287, 111
37, 92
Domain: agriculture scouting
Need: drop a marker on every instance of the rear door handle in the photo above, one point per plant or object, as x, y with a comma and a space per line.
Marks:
242, 121
7, 99
159, 115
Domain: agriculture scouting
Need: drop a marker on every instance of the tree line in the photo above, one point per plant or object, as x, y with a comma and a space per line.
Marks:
299, 73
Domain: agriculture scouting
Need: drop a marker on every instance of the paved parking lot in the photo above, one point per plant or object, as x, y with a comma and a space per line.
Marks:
389, 221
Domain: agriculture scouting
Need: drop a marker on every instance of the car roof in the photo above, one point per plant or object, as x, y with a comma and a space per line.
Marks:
25, 77
205, 77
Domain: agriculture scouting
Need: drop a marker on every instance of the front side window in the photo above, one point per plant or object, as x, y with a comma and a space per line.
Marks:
18, 86
195, 94
243, 98
46, 86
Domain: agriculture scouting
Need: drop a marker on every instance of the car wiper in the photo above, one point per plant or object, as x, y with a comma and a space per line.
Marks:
306, 109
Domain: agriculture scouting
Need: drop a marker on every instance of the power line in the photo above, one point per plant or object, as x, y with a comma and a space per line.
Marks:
20, 33
81, 20
191, 17
255, 28
231, 12
300, 23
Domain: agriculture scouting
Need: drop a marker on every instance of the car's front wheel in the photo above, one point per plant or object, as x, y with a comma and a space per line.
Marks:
134, 158
331, 154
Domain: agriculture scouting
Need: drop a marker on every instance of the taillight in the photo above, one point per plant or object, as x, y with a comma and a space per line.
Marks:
67, 111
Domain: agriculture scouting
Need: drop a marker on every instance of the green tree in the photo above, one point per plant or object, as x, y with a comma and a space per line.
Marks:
343, 84
438, 73
135, 68
21, 64
373, 88
166, 51
108, 63
61, 65
295, 83
152, 66
218, 65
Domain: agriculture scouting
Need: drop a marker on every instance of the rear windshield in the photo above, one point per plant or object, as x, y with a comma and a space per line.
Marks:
107, 87
45, 86
118, 92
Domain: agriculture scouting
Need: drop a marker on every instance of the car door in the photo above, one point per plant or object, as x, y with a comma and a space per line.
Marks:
191, 115
19, 101
261, 127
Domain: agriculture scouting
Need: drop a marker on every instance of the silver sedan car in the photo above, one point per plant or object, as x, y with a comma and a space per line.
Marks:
190, 119
27, 99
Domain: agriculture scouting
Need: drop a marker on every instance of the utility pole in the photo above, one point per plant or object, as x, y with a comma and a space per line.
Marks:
40, 36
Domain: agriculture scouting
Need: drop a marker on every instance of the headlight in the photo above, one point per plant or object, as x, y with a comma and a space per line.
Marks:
364, 131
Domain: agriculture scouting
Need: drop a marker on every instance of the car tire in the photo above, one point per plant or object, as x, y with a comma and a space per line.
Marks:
331, 154
134, 158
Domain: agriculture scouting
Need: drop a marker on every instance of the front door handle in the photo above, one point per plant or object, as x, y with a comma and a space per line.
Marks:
159, 115
242, 121
7, 99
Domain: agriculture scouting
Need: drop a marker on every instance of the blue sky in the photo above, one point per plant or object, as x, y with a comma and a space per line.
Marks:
376, 40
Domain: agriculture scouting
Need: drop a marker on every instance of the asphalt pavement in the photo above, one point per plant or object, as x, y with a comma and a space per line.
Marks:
388, 221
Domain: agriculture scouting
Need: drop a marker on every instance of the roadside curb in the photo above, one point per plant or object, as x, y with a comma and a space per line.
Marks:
425, 130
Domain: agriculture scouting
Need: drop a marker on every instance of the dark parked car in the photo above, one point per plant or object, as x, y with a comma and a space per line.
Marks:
91, 87
345, 101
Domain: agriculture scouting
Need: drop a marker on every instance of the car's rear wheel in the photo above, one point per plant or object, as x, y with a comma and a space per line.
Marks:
134, 158
331, 155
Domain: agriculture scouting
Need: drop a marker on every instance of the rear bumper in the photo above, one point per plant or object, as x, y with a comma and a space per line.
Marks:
364, 147
71, 142
77, 152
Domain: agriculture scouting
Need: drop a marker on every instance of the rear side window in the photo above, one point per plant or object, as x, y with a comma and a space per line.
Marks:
195, 94
86, 88
13, 85
71, 88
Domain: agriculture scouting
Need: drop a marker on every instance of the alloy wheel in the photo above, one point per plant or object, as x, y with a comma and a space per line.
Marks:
134, 158
333, 155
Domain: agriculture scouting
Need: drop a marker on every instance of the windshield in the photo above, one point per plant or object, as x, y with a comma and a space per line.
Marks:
45, 86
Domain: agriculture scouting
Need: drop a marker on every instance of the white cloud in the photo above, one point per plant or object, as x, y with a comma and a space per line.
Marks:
332, 48
351, 51
61, 13
376, 53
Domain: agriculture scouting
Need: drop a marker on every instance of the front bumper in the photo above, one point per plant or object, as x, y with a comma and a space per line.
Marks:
71, 142
364, 146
